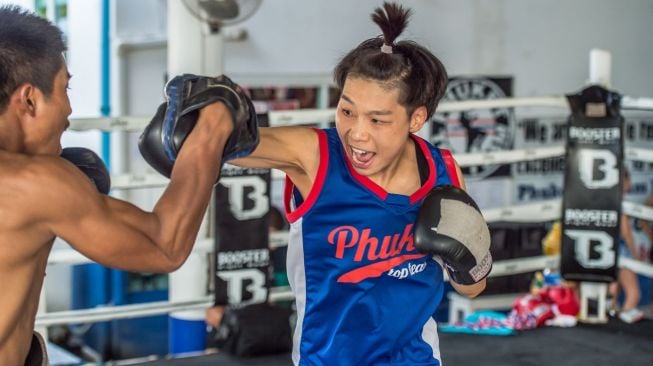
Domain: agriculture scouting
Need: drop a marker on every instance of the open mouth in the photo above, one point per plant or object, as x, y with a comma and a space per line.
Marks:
361, 158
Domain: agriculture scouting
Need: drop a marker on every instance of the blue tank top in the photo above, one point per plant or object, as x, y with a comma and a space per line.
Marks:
364, 295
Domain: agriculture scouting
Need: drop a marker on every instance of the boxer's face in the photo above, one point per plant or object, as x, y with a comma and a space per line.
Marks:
50, 117
373, 126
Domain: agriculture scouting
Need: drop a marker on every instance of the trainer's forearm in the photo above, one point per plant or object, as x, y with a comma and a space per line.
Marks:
184, 202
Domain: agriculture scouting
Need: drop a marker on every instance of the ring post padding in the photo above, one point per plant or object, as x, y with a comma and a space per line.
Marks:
600, 67
187, 330
593, 292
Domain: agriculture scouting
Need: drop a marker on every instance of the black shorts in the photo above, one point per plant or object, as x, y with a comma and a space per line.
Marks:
38, 355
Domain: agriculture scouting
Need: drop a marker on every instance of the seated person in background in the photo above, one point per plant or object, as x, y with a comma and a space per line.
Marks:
646, 228
627, 279
276, 222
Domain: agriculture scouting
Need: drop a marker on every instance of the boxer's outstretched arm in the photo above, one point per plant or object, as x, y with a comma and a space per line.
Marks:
118, 234
470, 291
293, 150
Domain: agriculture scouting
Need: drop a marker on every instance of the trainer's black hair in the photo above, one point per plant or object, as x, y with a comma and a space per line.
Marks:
419, 75
30, 52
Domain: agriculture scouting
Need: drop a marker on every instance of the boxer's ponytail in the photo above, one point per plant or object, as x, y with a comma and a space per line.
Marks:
415, 71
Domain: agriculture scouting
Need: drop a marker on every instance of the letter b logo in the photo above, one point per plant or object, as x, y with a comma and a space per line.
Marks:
248, 188
588, 241
607, 165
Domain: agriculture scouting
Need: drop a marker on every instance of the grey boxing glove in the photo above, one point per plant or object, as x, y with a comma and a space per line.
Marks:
450, 225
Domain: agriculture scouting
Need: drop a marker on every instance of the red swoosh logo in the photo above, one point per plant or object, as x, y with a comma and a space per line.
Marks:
376, 269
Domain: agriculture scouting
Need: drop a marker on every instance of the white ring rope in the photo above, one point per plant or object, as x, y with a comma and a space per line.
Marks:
532, 212
110, 312
137, 181
550, 210
638, 154
312, 116
110, 124
509, 156
642, 104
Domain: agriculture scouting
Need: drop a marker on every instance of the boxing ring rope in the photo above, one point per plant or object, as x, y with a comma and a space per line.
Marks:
312, 116
541, 211
105, 313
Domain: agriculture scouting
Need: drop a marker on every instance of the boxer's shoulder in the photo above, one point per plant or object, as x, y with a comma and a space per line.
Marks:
22, 174
35, 189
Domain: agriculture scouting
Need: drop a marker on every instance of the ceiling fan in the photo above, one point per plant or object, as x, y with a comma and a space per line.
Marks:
220, 13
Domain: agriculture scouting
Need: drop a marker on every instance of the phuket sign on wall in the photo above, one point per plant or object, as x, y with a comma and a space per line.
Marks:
478, 130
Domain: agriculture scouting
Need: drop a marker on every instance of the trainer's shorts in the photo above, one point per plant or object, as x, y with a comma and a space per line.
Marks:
38, 355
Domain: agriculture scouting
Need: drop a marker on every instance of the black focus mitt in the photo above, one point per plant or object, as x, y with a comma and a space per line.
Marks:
186, 94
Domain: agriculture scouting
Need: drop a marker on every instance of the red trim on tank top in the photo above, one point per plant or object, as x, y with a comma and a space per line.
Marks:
449, 162
433, 173
417, 195
365, 181
293, 216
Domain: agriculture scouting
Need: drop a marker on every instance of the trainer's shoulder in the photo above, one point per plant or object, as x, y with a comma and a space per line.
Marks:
25, 175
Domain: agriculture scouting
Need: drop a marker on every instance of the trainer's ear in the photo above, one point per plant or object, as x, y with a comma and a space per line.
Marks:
25, 97
417, 119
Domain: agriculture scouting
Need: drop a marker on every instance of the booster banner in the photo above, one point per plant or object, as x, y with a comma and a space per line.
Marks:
242, 253
592, 196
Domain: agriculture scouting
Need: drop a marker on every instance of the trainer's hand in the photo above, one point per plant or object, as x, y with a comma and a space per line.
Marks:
450, 225
213, 315
186, 94
90, 164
